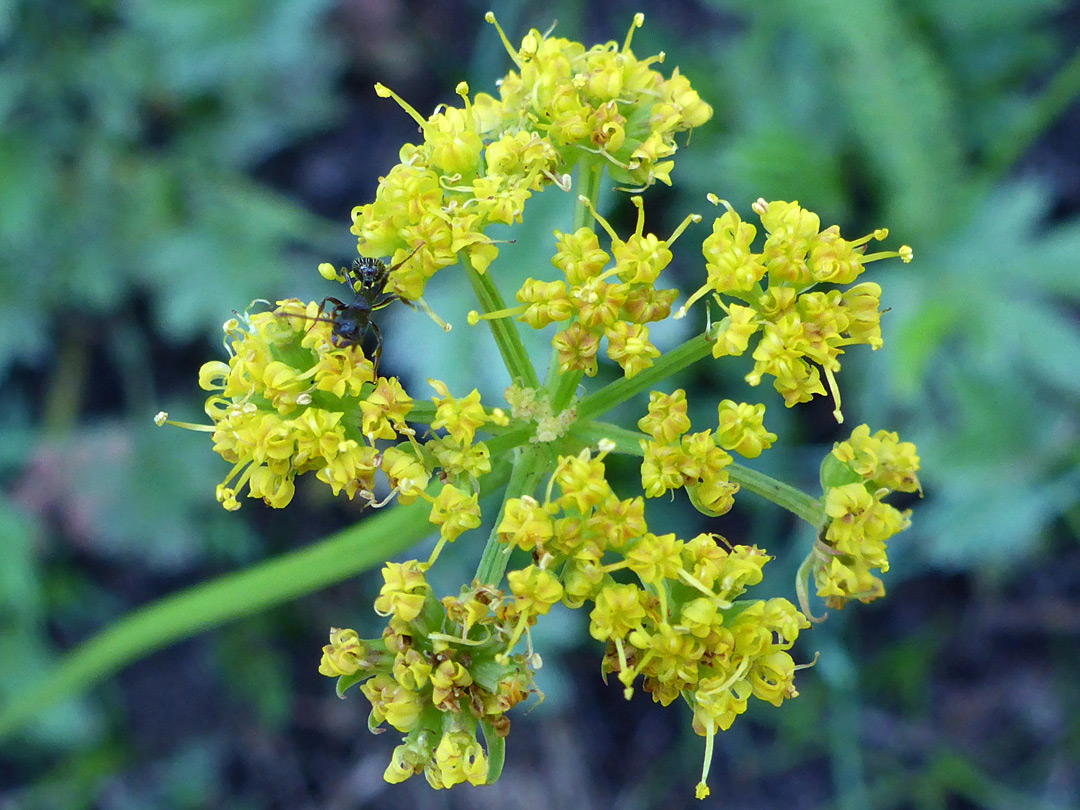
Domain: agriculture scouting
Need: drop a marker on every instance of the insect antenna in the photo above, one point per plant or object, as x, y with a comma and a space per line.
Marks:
414, 251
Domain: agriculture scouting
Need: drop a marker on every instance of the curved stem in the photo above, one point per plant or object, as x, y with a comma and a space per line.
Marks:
565, 388
214, 603
590, 173
791, 498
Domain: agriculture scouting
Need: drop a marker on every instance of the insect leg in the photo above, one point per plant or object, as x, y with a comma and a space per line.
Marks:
389, 299
377, 354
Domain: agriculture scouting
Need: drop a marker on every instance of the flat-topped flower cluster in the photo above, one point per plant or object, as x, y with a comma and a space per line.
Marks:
677, 615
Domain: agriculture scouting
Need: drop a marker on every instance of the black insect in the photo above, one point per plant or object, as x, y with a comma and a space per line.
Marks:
351, 322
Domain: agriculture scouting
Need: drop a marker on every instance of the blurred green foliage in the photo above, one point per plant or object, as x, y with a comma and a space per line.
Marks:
129, 138
129, 131
881, 113
129, 218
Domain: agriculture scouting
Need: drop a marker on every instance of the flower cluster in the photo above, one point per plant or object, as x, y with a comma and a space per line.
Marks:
801, 328
602, 100
600, 302
675, 458
440, 674
678, 626
857, 476
290, 400
480, 162
676, 616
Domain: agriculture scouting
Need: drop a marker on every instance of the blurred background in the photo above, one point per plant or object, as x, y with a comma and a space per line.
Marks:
164, 163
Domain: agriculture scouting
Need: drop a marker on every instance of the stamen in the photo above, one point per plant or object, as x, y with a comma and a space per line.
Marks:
162, 418
376, 504
802, 580
640, 205
862, 240
639, 20
622, 653
490, 18
562, 181
385, 92
462, 90
904, 254
331, 273
695, 583
551, 481
718, 201
817, 655
420, 302
603, 222
636, 190
519, 628
435, 552
695, 218
463, 638
681, 313
702, 789
475, 317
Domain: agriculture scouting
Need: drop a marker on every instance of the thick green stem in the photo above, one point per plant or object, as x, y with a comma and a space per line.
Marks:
530, 467
794, 500
226, 598
621, 390
504, 330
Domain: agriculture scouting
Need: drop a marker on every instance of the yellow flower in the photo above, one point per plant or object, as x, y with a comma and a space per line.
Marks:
344, 655
454, 512
667, 419
742, 428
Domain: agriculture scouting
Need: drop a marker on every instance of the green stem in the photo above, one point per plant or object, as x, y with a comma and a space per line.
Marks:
505, 442
791, 498
623, 389
565, 388
530, 467
590, 173
214, 603
504, 330
794, 500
